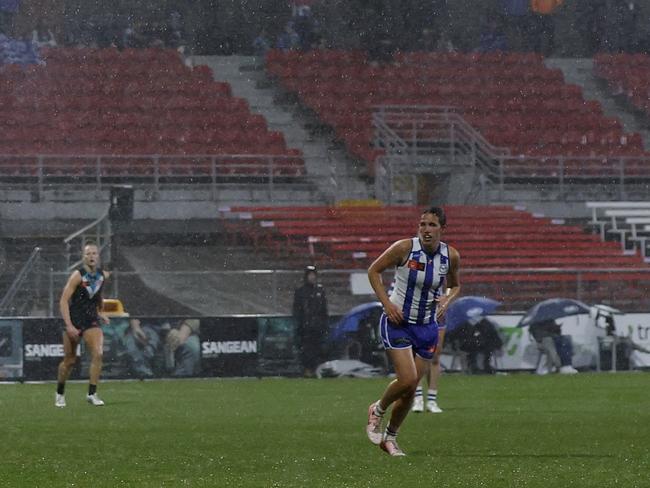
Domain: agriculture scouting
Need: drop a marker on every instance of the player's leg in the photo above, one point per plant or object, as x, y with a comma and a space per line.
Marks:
418, 401
404, 384
397, 342
65, 367
94, 338
412, 373
434, 375
409, 370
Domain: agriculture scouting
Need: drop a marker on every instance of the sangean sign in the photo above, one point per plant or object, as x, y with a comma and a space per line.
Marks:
211, 348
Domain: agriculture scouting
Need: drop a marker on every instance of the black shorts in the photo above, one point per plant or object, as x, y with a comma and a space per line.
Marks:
83, 326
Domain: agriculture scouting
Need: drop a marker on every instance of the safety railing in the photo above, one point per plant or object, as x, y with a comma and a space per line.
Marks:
16, 300
98, 231
271, 291
154, 173
410, 135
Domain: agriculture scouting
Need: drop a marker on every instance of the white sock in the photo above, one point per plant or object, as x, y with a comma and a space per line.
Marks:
389, 435
418, 392
432, 395
379, 412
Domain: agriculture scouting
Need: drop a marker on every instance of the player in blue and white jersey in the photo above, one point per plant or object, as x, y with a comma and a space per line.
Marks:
426, 281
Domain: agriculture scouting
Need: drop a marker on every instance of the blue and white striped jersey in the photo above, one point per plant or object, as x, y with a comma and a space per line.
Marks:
419, 282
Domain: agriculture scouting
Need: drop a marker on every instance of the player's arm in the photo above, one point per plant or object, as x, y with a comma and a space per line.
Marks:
453, 284
100, 310
390, 258
64, 303
100, 302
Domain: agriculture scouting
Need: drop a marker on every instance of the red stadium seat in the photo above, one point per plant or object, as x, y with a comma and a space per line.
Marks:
148, 101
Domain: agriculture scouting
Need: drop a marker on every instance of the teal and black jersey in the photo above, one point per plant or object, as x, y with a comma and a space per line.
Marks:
87, 298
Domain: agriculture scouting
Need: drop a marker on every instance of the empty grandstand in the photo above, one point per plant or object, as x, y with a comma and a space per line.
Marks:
486, 134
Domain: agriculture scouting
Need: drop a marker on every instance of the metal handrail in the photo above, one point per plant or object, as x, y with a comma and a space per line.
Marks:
19, 280
81, 231
445, 115
101, 243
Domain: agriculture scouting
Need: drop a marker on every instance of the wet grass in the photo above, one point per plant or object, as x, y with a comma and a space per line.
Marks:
499, 431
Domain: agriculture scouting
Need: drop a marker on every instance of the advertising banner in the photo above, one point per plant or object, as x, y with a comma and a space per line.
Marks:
148, 347
520, 350
229, 346
11, 349
43, 349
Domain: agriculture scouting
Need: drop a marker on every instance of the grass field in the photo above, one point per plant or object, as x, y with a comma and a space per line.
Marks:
496, 431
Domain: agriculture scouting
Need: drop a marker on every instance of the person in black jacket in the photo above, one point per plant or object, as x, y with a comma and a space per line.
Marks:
477, 338
310, 314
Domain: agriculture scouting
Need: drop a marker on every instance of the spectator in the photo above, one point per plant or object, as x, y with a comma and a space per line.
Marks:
14, 51
492, 38
318, 40
478, 339
543, 25
557, 347
445, 44
305, 27
310, 314
133, 35
592, 15
627, 13
174, 30
8, 10
42, 36
623, 344
517, 23
427, 40
261, 44
288, 39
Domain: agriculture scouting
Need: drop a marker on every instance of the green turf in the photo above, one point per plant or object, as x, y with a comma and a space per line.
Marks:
496, 431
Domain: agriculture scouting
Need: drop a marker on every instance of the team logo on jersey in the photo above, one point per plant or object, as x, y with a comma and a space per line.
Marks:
415, 265
444, 267
92, 283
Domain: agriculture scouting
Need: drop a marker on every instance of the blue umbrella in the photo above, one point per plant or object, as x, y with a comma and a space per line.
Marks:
468, 308
349, 323
551, 309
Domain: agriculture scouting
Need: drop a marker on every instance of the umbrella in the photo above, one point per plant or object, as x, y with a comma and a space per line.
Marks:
551, 309
467, 309
349, 323
604, 309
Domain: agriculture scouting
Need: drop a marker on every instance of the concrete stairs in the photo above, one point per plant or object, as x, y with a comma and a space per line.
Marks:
580, 72
335, 173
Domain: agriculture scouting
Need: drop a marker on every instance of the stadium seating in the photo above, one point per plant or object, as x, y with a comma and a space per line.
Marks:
628, 75
503, 250
511, 98
105, 102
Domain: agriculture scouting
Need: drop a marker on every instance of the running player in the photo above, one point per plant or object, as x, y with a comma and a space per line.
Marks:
81, 305
425, 268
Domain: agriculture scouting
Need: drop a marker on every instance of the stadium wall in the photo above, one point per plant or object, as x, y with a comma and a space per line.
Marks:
260, 346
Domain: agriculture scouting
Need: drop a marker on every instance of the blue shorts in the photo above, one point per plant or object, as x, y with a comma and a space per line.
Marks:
423, 339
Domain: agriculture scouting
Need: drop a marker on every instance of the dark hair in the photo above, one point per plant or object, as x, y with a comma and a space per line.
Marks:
442, 218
